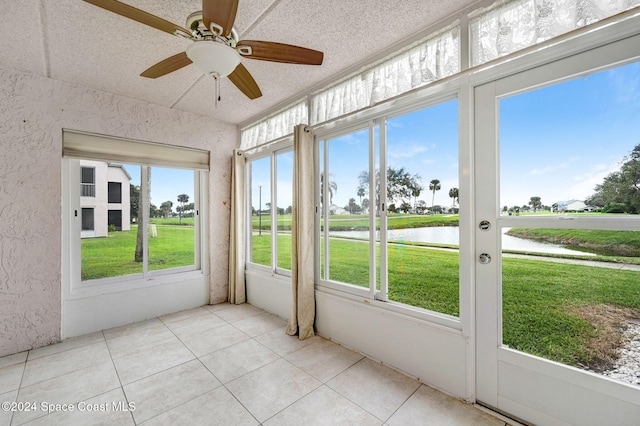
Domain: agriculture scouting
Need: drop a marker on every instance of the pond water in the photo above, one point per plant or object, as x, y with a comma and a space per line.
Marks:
451, 235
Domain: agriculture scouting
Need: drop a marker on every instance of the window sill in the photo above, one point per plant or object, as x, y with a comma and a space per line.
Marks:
122, 284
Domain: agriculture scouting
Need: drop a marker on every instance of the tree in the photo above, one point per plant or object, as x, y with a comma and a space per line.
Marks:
165, 208
182, 199
401, 185
454, 194
139, 251
434, 186
134, 198
416, 190
332, 188
352, 207
361, 193
621, 186
535, 203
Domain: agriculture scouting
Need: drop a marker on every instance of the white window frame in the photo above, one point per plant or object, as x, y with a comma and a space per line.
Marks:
436, 94
73, 286
284, 145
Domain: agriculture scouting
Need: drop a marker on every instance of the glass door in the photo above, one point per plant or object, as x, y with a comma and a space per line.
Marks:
558, 240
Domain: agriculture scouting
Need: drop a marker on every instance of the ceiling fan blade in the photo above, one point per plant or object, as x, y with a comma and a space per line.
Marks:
139, 16
168, 65
220, 12
245, 82
279, 52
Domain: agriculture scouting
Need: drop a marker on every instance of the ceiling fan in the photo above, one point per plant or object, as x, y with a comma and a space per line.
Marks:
215, 50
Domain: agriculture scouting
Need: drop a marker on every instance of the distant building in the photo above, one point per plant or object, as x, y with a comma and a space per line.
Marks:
569, 206
104, 198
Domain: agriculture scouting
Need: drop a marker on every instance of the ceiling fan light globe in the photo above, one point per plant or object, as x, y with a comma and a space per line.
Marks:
212, 57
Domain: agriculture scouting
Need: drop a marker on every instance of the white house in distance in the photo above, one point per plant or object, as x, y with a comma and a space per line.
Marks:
104, 198
569, 206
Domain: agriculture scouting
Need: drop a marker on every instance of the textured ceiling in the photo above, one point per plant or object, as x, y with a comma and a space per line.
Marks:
73, 41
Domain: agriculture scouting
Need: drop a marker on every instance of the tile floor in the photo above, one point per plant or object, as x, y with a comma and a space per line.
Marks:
221, 364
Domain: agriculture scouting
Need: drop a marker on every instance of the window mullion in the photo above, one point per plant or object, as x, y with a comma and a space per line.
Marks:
145, 192
273, 214
384, 272
325, 208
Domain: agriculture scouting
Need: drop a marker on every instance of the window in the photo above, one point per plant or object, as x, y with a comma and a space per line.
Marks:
87, 181
389, 198
87, 219
115, 192
570, 202
271, 192
150, 229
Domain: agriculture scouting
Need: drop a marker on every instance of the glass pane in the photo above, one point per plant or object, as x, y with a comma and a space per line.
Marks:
347, 190
422, 195
284, 182
261, 211
572, 295
171, 229
109, 231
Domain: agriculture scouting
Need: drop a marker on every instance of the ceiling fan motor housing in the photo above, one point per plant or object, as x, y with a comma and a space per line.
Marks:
213, 58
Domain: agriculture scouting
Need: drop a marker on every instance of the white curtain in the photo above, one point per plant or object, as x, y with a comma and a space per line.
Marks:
508, 25
431, 59
274, 127
302, 236
237, 292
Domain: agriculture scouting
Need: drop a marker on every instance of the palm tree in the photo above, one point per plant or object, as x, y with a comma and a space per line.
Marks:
182, 199
332, 188
434, 186
454, 193
361, 194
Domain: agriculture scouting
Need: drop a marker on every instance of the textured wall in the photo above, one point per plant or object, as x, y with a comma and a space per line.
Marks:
33, 112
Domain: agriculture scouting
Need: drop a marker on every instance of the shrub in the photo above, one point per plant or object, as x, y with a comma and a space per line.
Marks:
614, 208
112, 228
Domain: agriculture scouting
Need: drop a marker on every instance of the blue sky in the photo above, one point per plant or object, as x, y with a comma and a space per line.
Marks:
166, 183
557, 143
560, 141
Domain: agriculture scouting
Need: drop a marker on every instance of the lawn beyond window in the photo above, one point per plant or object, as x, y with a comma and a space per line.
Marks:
114, 255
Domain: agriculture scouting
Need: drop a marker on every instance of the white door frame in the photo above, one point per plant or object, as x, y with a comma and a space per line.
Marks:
529, 387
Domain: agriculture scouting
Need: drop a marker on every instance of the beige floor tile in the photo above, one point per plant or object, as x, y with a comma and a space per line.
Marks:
61, 363
238, 312
10, 377
166, 390
235, 361
283, 344
268, 390
14, 359
197, 323
73, 343
206, 342
134, 341
181, 315
324, 359
5, 415
430, 407
323, 406
70, 388
136, 327
374, 387
217, 407
110, 408
260, 324
152, 359
218, 307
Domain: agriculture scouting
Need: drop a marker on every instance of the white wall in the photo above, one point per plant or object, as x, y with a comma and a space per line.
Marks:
33, 112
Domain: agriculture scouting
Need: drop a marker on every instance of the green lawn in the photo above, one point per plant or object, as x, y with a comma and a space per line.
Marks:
540, 299
361, 222
113, 256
